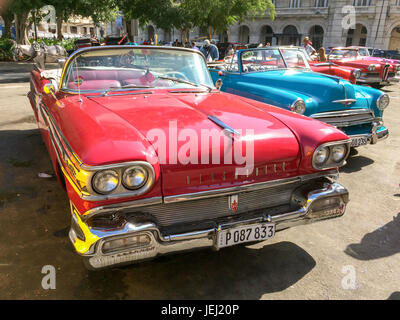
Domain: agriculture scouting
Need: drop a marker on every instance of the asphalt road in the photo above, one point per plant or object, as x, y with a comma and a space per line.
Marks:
354, 257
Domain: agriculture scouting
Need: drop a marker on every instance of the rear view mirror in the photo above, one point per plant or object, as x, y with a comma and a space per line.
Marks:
49, 88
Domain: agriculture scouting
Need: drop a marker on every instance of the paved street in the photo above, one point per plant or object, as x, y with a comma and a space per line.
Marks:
307, 262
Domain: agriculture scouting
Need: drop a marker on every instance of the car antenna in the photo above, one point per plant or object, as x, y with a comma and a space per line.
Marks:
78, 81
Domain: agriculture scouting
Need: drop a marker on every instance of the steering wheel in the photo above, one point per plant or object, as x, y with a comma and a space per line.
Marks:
177, 74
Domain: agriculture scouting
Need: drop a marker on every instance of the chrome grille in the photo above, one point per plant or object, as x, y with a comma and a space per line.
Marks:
212, 208
345, 118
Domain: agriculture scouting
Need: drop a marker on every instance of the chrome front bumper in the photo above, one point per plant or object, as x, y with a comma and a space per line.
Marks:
315, 205
378, 80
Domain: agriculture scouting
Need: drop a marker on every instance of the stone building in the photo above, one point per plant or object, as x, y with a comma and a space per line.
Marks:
376, 24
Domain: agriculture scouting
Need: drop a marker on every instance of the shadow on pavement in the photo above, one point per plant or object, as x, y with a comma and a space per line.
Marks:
232, 273
394, 296
35, 219
356, 163
383, 242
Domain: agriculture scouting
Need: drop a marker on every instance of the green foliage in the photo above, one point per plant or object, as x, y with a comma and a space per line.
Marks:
68, 44
187, 14
6, 49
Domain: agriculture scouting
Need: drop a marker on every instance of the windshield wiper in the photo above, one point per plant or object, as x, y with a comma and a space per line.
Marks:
128, 86
185, 81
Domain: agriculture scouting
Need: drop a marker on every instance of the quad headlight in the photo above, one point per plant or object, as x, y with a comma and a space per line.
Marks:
105, 181
123, 179
397, 67
372, 67
383, 101
357, 73
331, 155
299, 106
134, 177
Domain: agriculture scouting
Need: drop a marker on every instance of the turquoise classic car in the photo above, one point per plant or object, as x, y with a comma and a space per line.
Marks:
283, 77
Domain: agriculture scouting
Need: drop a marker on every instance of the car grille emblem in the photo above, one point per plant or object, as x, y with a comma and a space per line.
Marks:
233, 203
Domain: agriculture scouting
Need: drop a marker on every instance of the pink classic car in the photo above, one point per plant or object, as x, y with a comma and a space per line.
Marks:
155, 159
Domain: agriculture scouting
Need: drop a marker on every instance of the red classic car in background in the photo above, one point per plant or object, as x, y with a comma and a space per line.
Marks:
133, 134
374, 73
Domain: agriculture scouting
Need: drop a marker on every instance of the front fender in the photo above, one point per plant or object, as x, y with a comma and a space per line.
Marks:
274, 96
372, 96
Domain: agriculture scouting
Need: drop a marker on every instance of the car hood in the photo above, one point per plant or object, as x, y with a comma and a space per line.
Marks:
322, 89
175, 122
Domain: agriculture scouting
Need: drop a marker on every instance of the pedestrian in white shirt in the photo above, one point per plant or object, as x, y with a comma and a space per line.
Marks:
307, 45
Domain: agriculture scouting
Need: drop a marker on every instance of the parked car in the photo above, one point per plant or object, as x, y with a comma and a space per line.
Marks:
283, 77
374, 73
364, 52
327, 67
108, 122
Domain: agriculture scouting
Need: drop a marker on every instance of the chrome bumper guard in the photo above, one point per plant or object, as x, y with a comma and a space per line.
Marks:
324, 203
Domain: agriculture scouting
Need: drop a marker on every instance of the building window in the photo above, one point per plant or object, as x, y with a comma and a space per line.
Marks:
397, 2
295, 4
362, 3
74, 29
322, 3
84, 30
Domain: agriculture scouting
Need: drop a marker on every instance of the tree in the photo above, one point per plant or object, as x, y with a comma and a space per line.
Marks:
187, 14
220, 14
98, 10
21, 10
8, 17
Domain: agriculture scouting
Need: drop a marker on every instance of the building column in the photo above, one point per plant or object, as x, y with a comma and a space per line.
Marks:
335, 35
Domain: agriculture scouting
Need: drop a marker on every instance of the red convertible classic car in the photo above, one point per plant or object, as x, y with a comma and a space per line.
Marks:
350, 74
143, 142
374, 73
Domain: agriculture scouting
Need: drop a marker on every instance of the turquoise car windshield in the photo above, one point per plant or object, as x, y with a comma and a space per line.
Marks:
272, 59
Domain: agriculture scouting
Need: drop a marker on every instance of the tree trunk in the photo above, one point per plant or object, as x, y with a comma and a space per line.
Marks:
21, 28
59, 29
209, 33
7, 26
128, 24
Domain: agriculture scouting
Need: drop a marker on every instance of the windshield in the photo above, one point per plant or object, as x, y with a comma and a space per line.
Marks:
272, 59
343, 53
139, 67
295, 59
363, 52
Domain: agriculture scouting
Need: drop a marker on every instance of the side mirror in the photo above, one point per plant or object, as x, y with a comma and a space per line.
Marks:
49, 88
218, 84
61, 63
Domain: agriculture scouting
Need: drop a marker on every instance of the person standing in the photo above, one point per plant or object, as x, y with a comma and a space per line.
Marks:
210, 51
307, 46
194, 46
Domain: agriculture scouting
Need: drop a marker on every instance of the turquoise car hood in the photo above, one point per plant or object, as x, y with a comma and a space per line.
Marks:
321, 89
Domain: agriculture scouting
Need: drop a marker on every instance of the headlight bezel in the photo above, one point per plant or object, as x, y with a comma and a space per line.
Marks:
121, 190
357, 73
299, 101
330, 163
379, 101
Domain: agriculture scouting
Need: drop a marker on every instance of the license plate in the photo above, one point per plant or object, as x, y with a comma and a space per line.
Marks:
255, 232
358, 141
